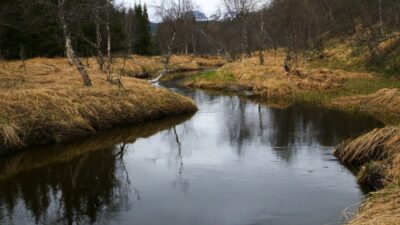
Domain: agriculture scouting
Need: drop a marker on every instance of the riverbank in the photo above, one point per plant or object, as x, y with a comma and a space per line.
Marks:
321, 86
147, 66
48, 104
376, 158
42, 157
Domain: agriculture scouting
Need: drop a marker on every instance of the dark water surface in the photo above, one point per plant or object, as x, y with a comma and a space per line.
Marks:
235, 162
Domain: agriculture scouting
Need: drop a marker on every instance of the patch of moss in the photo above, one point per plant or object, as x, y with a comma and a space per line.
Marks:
214, 76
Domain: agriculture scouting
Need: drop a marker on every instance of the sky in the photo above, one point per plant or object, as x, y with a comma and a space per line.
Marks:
208, 7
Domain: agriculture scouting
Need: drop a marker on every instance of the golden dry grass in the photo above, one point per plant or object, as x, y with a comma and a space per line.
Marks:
376, 154
142, 66
384, 104
381, 208
49, 104
270, 81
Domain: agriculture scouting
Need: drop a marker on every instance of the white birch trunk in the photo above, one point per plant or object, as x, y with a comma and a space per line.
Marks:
72, 58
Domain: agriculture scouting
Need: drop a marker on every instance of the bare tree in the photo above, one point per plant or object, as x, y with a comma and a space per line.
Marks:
97, 22
240, 9
70, 52
171, 12
262, 37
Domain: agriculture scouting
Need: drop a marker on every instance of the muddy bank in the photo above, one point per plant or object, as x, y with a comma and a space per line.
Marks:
48, 104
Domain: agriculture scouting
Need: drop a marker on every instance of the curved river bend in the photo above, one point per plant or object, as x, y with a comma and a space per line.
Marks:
235, 162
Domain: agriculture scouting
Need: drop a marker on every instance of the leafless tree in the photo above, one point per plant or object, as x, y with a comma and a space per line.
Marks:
241, 9
171, 12
70, 52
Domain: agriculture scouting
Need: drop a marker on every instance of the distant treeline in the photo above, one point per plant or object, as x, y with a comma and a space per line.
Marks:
32, 28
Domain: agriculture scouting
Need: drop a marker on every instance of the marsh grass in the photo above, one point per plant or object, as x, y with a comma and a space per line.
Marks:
376, 155
49, 104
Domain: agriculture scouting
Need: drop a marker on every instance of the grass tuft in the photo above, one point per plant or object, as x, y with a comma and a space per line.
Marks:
376, 155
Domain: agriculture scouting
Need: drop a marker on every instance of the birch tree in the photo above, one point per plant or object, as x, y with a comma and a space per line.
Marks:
170, 11
70, 52
240, 9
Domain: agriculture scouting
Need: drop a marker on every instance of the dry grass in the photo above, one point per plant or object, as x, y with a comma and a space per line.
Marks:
270, 81
49, 104
381, 208
376, 155
349, 54
384, 104
377, 145
142, 66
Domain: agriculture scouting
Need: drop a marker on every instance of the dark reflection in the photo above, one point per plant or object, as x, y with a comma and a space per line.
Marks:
285, 130
78, 183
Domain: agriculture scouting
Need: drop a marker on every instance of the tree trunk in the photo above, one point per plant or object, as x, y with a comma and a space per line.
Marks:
245, 44
193, 43
22, 56
167, 59
261, 56
100, 57
380, 18
109, 56
262, 40
1, 54
72, 58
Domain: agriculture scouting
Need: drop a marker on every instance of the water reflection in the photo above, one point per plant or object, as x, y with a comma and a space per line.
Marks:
78, 183
235, 162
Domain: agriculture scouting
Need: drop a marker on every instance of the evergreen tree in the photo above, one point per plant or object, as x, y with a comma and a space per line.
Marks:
142, 40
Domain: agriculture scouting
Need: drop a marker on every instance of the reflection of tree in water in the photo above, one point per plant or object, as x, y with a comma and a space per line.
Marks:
285, 130
239, 128
176, 154
82, 190
80, 183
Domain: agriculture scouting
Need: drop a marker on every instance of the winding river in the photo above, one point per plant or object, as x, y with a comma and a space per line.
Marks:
235, 162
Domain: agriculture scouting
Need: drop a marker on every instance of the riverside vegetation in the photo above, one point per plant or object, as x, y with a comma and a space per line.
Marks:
48, 104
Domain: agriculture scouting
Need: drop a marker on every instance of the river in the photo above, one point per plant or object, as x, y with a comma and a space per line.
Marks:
235, 162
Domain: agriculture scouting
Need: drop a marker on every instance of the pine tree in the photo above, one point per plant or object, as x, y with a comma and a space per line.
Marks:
142, 42
146, 35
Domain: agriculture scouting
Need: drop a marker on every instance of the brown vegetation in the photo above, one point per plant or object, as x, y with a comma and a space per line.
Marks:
270, 81
48, 103
141, 66
384, 104
376, 156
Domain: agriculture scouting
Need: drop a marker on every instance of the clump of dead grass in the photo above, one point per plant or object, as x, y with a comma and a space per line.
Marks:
376, 157
384, 104
52, 106
379, 144
381, 208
